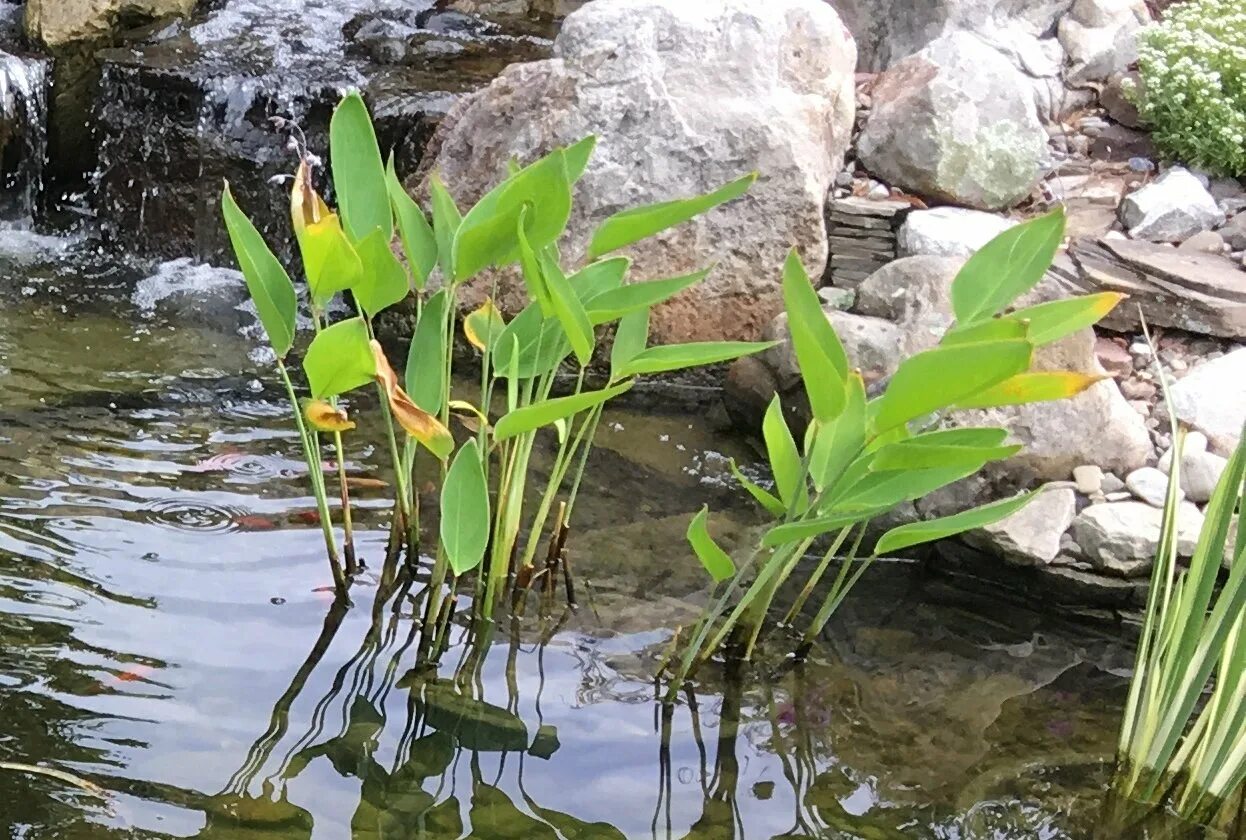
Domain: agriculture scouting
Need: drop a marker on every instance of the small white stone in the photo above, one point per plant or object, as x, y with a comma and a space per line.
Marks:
1089, 479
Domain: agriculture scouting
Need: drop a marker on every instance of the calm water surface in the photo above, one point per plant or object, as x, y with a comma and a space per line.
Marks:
165, 631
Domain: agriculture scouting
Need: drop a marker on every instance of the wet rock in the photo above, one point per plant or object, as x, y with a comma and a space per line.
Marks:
1196, 292
541, 8
1212, 399
1122, 537
1150, 485
1100, 38
1173, 208
1032, 536
749, 387
634, 73
56, 23
949, 231
955, 122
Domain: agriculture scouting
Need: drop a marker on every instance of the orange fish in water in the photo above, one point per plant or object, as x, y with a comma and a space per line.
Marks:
254, 522
307, 517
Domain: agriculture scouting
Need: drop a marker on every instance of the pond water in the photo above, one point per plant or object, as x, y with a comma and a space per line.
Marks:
166, 633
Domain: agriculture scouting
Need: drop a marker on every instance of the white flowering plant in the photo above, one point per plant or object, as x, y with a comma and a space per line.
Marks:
1193, 91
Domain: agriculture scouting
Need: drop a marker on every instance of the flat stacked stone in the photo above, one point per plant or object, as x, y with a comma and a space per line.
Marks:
862, 237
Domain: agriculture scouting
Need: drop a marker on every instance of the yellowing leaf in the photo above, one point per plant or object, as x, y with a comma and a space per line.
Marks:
306, 205
1031, 388
327, 417
331, 263
483, 325
417, 422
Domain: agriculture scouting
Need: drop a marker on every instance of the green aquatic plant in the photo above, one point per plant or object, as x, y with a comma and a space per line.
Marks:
860, 457
487, 525
1182, 747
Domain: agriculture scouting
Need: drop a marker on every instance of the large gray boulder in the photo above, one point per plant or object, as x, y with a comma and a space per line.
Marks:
1100, 38
639, 74
956, 122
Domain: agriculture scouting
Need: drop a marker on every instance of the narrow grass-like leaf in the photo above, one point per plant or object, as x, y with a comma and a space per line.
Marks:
823, 363
785, 463
425, 375
465, 516
630, 226
418, 241
669, 357
339, 359
266, 279
918, 533
836, 443
531, 417
530, 346
1006, 267
358, 171
716, 561
383, 282
614, 304
995, 329
947, 376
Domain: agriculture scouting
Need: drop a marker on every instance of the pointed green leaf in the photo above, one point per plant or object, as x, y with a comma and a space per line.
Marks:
545, 413
383, 282
531, 345
630, 339
629, 226
1006, 267
339, 359
533, 273
598, 278
446, 221
917, 533
823, 363
576, 158
838, 442
947, 376
539, 193
614, 304
716, 561
885, 490
358, 171
810, 528
330, 262
669, 357
767, 500
568, 309
785, 463
267, 281
425, 376
1025, 388
995, 329
1048, 322
465, 516
418, 241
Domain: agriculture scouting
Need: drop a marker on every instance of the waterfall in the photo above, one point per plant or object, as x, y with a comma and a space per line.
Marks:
23, 133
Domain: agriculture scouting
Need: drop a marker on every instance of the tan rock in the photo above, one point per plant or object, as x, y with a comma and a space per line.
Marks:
55, 23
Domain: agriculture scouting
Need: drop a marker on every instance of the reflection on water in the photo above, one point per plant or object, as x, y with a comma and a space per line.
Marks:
166, 631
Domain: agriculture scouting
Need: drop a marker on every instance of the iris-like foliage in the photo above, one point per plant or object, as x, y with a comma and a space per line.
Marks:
1182, 750
487, 524
860, 458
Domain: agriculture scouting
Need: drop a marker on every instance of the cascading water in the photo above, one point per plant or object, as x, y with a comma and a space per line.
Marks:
23, 134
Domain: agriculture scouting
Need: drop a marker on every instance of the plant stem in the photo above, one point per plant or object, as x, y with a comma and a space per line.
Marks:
348, 531
315, 471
